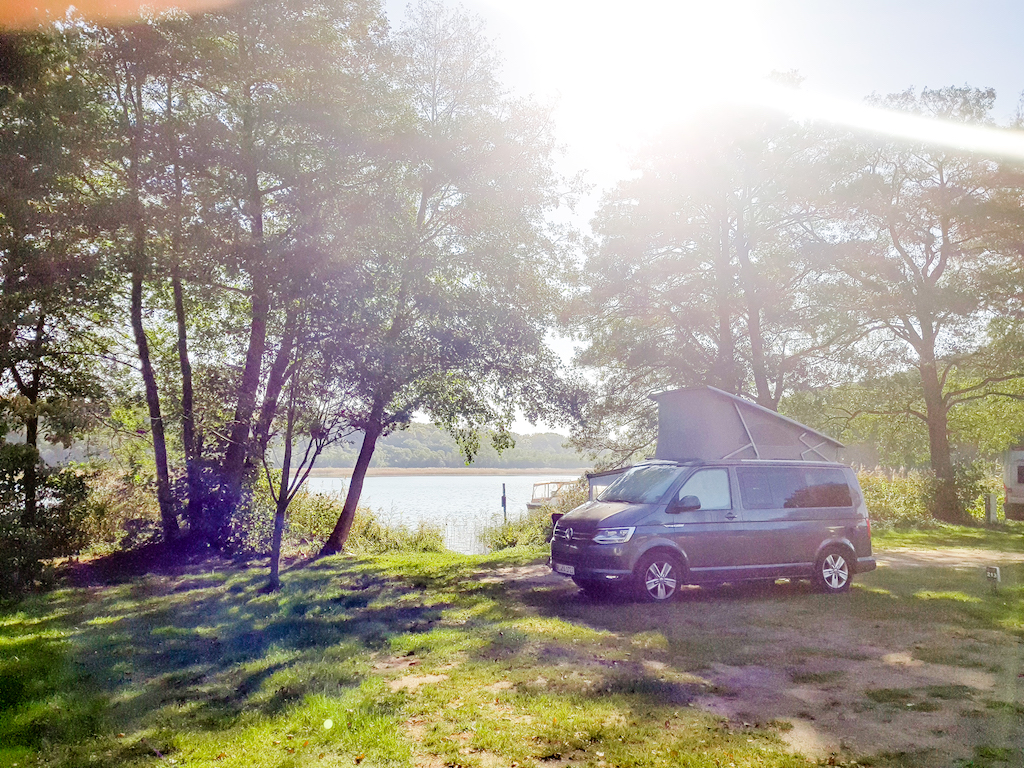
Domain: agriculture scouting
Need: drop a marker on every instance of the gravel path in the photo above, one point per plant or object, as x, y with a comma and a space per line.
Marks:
950, 557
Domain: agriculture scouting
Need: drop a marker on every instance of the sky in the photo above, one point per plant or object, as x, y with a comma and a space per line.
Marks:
621, 72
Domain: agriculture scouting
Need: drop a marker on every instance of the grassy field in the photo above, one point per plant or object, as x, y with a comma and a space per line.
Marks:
1007, 538
444, 660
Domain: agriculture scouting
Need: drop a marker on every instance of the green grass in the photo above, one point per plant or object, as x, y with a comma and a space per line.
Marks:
1006, 538
205, 670
421, 659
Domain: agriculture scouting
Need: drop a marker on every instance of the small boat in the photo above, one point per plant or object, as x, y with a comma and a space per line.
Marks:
546, 493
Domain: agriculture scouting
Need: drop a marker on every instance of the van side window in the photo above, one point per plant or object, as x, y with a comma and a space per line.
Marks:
755, 487
1020, 474
711, 486
793, 487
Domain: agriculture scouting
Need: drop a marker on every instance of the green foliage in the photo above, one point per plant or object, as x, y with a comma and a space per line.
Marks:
896, 499
310, 520
58, 527
534, 528
904, 499
122, 509
370, 536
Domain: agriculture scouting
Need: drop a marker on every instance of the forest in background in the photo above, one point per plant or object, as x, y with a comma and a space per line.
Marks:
424, 445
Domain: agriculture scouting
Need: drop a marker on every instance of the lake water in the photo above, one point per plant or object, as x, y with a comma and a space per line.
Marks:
461, 504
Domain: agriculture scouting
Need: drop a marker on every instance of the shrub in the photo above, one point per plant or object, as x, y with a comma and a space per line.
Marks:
370, 536
532, 528
58, 526
535, 526
903, 499
311, 518
896, 499
122, 511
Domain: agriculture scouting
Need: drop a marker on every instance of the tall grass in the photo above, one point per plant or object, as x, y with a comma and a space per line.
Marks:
535, 526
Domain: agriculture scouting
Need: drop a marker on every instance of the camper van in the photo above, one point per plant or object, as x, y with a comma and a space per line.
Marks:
734, 492
1013, 484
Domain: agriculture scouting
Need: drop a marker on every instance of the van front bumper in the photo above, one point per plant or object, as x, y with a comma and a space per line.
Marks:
865, 564
589, 568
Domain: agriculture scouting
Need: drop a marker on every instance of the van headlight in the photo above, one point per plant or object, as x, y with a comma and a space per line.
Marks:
613, 535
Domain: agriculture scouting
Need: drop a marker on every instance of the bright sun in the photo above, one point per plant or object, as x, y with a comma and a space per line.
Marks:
622, 71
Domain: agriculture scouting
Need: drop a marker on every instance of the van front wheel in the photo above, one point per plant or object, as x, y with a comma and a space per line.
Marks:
658, 576
832, 572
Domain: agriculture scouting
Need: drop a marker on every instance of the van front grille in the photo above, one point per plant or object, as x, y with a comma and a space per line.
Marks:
567, 532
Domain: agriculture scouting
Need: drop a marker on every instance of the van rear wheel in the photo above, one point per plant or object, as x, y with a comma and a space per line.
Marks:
657, 577
832, 572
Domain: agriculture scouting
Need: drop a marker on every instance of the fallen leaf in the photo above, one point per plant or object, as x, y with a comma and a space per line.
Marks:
359, 759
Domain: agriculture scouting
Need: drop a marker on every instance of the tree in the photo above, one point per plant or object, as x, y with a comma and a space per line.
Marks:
50, 281
286, 129
924, 265
444, 301
133, 61
701, 275
313, 411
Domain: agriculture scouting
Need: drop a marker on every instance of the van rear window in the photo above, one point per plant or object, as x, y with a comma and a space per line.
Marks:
793, 487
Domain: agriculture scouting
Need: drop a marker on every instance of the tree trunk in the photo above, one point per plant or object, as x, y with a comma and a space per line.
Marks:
724, 372
194, 510
947, 505
336, 542
233, 468
275, 382
752, 295
238, 449
31, 392
283, 499
165, 498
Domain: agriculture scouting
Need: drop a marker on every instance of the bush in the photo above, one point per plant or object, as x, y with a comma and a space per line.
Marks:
122, 511
58, 528
532, 528
904, 499
535, 526
974, 481
896, 499
311, 518
370, 536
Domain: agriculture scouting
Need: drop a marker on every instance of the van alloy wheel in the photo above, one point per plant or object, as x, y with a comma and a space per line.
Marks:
832, 573
658, 577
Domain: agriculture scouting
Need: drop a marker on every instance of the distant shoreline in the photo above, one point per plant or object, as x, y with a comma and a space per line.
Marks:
422, 471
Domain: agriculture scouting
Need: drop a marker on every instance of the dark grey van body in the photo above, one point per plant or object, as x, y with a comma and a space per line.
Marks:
721, 521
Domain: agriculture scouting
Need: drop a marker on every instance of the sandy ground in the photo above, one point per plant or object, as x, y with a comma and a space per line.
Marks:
820, 701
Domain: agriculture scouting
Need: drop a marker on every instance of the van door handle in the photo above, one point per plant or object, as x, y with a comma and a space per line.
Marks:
730, 515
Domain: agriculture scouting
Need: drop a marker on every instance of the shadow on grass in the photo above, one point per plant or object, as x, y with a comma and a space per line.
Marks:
188, 653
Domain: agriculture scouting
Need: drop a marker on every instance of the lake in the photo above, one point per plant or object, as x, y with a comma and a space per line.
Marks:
460, 504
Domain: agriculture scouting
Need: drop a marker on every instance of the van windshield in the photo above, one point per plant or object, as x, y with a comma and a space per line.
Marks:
642, 485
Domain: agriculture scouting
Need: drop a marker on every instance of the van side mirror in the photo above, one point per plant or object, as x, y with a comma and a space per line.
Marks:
685, 504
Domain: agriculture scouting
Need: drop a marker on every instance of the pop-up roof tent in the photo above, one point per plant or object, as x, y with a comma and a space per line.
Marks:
707, 424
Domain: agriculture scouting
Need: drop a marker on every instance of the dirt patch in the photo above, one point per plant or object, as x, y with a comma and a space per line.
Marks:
412, 682
396, 662
949, 557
